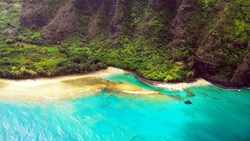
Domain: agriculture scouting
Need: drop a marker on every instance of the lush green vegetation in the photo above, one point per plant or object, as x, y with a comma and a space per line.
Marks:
22, 60
10, 28
9, 13
147, 54
141, 45
134, 54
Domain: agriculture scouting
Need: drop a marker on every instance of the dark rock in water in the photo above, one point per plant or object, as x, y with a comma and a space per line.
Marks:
188, 102
205, 94
137, 138
216, 98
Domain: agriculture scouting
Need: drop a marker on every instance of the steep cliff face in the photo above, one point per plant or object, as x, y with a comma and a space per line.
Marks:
56, 18
224, 44
207, 38
37, 13
63, 24
186, 23
241, 76
59, 19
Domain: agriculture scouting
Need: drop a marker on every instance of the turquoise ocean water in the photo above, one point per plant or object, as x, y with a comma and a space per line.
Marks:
215, 114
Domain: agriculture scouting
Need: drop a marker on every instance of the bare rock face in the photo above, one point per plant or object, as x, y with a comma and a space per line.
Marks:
63, 24
183, 21
87, 6
242, 75
10, 31
56, 18
34, 13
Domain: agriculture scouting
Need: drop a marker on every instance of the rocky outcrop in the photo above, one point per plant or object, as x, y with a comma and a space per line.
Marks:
35, 13
56, 18
218, 58
63, 24
241, 76
10, 31
185, 21
206, 69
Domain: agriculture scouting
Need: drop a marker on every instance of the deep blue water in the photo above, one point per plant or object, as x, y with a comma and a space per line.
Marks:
215, 115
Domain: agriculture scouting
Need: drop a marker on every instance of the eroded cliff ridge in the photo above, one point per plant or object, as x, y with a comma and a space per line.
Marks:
166, 40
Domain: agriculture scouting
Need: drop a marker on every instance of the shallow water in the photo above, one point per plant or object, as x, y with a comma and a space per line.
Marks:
215, 114
128, 78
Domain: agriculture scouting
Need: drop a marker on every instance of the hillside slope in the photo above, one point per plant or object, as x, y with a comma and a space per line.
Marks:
166, 40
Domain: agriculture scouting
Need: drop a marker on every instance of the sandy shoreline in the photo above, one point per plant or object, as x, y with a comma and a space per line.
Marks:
181, 85
41, 81
72, 86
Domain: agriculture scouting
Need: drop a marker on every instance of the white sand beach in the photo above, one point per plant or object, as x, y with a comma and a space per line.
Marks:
181, 85
72, 86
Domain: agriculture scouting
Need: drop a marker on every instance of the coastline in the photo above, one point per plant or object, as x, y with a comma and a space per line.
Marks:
73, 86
106, 72
193, 82
68, 87
175, 86
99, 73
178, 86
81, 85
